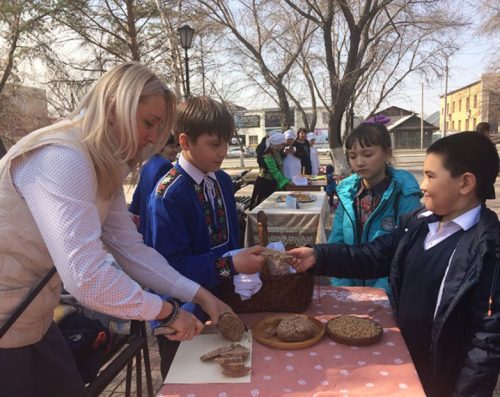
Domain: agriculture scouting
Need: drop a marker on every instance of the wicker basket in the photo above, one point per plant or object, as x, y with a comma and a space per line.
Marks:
284, 293
279, 293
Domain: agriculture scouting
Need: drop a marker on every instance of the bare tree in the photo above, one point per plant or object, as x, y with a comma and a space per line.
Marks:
354, 36
489, 26
23, 27
22, 22
116, 31
264, 37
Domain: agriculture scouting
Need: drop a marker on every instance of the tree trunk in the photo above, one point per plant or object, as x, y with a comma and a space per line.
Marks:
336, 146
284, 107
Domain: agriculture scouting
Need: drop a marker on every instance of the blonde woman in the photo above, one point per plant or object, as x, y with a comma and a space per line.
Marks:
61, 201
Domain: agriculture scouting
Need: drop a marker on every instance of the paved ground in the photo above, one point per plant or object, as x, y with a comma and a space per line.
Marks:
411, 161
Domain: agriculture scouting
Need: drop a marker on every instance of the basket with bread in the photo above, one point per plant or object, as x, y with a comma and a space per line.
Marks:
281, 290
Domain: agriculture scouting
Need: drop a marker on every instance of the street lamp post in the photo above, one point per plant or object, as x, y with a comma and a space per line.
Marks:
186, 33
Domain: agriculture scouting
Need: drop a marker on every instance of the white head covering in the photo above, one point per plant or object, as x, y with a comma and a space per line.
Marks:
290, 134
311, 136
276, 138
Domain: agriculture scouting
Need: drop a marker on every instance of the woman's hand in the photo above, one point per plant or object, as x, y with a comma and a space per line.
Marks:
186, 326
303, 258
249, 260
211, 305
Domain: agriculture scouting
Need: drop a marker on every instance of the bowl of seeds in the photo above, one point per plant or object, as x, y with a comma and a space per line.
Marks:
354, 330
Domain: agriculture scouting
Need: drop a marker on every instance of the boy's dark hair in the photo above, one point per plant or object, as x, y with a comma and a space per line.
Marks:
330, 169
470, 152
202, 115
369, 134
483, 127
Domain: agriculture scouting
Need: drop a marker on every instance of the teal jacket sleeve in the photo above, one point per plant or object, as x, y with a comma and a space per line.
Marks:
280, 179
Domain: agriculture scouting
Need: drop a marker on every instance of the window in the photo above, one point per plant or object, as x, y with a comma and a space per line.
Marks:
475, 101
253, 140
447, 125
474, 122
453, 124
453, 107
459, 105
467, 124
460, 125
467, 103
442, 111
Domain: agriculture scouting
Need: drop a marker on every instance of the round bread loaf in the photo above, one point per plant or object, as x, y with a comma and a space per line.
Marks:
353, 330
230, 326
295, 329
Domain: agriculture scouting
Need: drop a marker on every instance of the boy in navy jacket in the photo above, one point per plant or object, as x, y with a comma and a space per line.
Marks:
443, 269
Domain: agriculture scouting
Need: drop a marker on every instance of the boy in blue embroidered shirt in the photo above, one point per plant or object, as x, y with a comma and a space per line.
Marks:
192, 212
443, 265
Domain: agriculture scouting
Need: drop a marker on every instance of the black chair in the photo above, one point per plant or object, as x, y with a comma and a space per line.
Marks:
123, 351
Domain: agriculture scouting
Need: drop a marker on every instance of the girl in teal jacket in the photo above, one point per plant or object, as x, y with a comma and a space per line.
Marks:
371, 200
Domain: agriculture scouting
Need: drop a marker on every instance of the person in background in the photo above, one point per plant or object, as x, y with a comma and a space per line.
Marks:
271, 177
444, 267
292, 165
311, 138
192, 212
303, 150
151, 172
61, 203
484, 128
259, 152
372, 200
331, 185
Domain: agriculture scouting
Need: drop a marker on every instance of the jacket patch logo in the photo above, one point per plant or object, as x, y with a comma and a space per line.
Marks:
388, 223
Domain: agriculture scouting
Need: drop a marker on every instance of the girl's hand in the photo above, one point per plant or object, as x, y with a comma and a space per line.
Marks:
303, 259
186, 326
211, 305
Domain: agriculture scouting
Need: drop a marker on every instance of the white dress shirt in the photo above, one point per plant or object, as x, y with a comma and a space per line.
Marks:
57, 183
436, 235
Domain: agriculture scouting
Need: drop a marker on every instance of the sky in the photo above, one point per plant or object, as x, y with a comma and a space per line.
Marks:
464, 67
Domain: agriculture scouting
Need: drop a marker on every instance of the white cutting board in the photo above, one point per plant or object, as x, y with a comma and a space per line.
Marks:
187, 368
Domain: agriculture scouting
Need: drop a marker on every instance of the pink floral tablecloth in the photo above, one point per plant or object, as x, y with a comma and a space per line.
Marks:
327, 368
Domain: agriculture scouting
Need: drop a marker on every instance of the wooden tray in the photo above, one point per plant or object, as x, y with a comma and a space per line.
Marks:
301, 197
258, 334
359, 341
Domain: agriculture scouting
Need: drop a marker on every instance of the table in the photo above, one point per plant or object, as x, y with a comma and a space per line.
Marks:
326, 369
316, 185
294, 227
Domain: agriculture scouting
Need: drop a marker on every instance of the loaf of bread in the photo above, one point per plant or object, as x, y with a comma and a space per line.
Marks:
231, 327
295, 329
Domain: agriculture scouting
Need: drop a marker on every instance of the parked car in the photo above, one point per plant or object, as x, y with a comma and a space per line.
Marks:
234, 152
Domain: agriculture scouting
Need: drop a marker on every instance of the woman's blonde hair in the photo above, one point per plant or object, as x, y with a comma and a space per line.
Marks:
116, 96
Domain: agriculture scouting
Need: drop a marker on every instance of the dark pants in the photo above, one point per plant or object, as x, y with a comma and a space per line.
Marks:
167, 349
262, 189
43, 369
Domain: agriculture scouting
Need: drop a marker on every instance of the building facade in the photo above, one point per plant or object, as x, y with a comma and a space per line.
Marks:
472, 104
253, 125
406, 129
